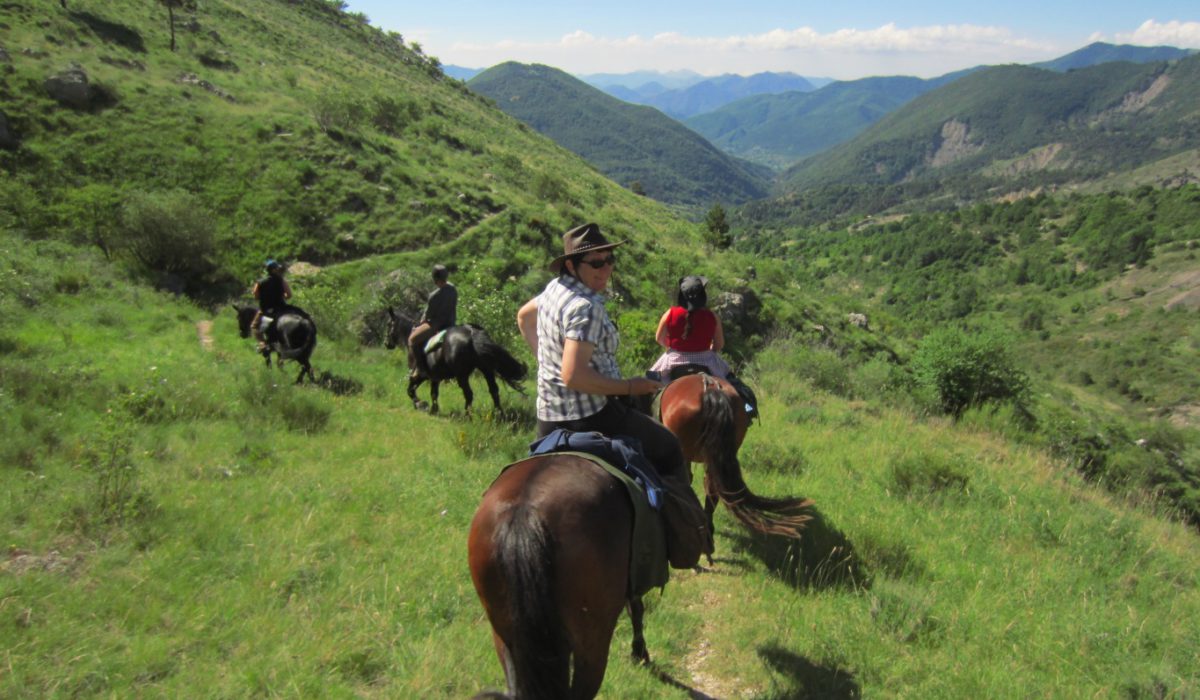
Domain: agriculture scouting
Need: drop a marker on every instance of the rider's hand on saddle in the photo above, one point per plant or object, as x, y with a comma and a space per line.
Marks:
643, 385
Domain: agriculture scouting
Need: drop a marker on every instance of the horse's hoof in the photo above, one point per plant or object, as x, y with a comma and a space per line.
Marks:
420, 405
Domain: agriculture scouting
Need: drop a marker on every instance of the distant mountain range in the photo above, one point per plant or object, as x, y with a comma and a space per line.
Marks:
628, 143
779, 130
1013, 128
710, 93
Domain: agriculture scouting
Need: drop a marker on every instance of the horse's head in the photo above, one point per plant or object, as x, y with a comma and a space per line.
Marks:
245, 316
398, 328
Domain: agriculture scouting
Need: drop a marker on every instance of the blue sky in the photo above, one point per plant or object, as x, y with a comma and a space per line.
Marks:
842, 40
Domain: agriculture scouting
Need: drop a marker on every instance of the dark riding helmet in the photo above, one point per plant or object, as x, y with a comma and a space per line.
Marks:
692, 294
273, 264
440, 272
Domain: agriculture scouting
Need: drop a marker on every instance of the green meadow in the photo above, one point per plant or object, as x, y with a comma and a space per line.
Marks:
182, 521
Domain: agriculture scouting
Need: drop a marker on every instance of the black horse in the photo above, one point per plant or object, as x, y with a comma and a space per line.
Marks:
463, 350
292, 336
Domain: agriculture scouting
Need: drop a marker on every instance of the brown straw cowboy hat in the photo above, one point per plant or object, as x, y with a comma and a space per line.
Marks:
581, 239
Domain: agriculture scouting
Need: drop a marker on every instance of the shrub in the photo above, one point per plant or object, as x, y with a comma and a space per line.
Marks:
963, 369
168, 233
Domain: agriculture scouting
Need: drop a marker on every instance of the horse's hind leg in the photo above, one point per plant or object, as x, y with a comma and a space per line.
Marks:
494, 390
433, 397
711, 499
637, 611
464, 383
413, 383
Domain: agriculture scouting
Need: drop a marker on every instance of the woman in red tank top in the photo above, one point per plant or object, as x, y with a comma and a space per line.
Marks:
690, 332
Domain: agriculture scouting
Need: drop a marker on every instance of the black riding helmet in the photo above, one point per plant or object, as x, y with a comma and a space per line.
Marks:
692, 294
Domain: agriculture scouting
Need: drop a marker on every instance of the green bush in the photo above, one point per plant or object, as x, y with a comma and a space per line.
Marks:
168, 233
965, 369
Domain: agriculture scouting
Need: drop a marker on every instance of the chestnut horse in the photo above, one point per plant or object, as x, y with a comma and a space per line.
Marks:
709, 418
549, 550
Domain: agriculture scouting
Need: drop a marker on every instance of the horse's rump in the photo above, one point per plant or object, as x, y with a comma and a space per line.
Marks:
295, 335
549, 557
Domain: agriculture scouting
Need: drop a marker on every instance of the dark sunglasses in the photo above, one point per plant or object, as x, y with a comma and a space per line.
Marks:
600, 262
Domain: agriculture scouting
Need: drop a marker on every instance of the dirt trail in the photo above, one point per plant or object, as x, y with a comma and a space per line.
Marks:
204, 331
704, 684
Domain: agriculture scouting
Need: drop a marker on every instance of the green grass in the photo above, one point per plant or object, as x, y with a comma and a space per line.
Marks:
326, 556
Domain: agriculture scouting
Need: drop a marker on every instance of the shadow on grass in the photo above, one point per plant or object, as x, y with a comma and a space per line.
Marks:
340, 386
111, 32
823, 557
669, 680
808, 680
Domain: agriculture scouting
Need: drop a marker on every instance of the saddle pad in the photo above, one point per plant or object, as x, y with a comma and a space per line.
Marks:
436, 341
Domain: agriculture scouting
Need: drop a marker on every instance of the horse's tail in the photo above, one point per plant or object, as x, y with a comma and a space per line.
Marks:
493, 356
780, 516
539, 651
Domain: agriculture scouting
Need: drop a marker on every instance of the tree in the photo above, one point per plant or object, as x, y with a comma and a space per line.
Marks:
718, 228
171, 6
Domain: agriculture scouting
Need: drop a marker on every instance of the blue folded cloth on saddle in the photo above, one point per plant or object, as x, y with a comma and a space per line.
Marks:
622, 451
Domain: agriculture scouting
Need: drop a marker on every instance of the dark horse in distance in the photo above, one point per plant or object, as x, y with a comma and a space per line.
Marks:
292, 336
549, 550
463, 350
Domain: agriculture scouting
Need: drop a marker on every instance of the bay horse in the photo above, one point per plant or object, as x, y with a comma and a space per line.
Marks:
463, 350
549, 551
709, 418
293, 336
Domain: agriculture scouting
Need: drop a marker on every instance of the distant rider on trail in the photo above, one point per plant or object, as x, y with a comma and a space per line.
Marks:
272, 292
441, 312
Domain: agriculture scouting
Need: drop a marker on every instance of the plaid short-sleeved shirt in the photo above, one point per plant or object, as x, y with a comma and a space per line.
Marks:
568, 309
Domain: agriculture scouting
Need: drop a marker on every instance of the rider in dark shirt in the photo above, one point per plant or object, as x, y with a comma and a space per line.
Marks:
441, 312
272, 293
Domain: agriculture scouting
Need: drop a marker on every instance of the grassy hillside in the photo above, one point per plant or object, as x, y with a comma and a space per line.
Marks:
1097, 294
778, 130
1005, 129
182, 522
628, 143
333, 141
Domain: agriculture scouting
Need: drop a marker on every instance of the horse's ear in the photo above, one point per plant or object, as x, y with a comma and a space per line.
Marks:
391, 312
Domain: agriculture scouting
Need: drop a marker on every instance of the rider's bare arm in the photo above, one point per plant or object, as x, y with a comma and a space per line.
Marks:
527, 323
579, 375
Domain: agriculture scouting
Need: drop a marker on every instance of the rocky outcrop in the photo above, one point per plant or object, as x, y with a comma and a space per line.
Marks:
742, 310
72, 88
193, 79
955, 144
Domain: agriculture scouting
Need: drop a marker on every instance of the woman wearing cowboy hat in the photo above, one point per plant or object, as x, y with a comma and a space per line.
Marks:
568, 329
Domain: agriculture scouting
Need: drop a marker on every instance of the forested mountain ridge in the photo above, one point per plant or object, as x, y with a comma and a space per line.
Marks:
780, 129
1011, 128
629, 143
1101, 52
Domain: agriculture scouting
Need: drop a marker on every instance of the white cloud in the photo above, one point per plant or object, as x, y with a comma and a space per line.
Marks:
1173, 33
845, 53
